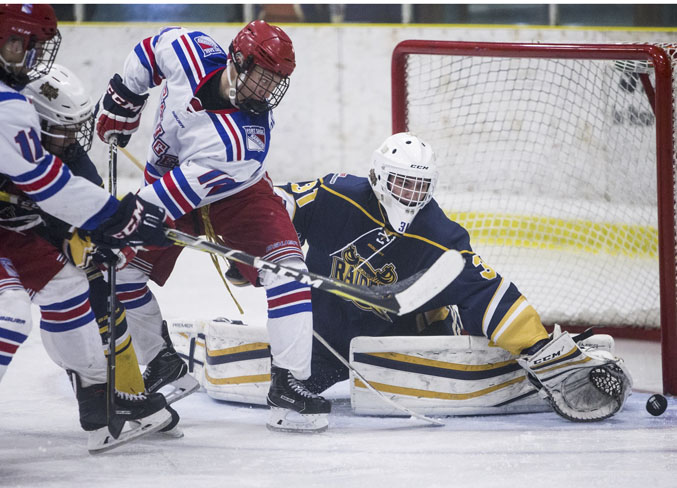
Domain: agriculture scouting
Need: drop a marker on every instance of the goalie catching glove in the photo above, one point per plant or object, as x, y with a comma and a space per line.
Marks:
582, 384
118, 112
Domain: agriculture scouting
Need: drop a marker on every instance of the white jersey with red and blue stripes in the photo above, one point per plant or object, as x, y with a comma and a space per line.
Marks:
41, 175
196, 156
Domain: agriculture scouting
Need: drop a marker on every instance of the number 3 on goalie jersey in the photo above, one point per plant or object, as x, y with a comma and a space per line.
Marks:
488, 272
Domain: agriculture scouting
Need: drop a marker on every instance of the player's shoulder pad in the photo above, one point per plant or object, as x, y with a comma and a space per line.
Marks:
345, 184
16, 110
432, 224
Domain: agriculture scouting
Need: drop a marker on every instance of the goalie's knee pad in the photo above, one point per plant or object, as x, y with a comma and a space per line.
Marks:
585, 383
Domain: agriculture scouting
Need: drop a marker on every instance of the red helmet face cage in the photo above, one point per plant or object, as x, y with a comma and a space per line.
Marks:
35, 26
265, 53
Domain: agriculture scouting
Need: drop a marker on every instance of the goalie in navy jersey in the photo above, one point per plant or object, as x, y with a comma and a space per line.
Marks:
384, 228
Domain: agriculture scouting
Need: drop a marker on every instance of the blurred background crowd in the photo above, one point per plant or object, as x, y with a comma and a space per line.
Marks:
626, 15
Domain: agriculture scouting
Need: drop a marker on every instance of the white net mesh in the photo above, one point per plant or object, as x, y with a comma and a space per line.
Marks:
551, 166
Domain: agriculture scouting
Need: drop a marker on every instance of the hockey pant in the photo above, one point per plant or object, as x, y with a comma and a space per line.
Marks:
289, 321
255, 221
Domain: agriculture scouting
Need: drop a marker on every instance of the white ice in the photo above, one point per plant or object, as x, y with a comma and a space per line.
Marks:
228, 445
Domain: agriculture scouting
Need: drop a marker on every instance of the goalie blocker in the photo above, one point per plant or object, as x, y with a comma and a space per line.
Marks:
441, 375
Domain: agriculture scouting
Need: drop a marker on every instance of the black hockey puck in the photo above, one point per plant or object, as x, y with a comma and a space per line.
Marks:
656, 405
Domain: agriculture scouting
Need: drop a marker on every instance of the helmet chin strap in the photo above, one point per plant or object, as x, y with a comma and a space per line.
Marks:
232, 84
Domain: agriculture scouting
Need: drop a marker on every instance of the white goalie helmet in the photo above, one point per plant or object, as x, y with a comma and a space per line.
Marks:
65, 109
403, 176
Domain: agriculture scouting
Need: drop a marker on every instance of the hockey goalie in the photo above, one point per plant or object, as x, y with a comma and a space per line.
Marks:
382, 229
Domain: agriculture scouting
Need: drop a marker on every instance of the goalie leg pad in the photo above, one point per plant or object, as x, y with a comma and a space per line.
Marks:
583, 384
440, 375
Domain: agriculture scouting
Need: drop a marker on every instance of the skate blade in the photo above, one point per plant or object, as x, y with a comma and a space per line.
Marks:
101, 440
179, 389
285, 420
175, 433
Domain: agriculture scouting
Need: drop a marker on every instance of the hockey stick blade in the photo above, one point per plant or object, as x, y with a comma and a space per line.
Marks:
399, 298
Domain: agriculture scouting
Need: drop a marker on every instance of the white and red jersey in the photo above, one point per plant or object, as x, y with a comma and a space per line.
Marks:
41, 175
196, 156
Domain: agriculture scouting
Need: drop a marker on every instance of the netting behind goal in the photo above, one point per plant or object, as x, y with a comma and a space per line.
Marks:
548, 156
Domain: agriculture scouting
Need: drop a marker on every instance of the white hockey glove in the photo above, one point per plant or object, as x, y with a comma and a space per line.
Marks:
583, 384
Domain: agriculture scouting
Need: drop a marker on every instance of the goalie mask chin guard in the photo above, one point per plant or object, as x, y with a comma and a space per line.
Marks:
66, 112
35, 25
403, 176
263, 56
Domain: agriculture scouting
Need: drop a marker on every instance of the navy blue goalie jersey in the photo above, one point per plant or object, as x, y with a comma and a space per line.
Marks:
348, 238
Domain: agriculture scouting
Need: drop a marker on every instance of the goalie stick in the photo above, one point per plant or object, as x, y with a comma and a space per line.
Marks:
399, 298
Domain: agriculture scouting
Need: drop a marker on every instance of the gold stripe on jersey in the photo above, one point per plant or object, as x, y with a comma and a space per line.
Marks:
236, 380
415, 392
380, 223
493, 305
519, 328
537, 232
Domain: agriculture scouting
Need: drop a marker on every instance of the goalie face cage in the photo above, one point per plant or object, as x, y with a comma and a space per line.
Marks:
559, 160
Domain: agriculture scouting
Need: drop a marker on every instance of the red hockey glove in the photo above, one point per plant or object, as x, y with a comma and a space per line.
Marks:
118, 113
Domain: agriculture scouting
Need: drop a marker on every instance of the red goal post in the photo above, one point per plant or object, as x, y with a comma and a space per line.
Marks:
560, 156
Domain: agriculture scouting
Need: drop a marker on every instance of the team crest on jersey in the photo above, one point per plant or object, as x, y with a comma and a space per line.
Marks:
48, 91
208, 46
256, 138
352, 268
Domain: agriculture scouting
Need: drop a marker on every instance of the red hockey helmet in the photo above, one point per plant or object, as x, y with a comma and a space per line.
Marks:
36, 26
263, 56
265, 45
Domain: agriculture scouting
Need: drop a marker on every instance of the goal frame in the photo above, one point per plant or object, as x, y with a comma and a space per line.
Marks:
663, 110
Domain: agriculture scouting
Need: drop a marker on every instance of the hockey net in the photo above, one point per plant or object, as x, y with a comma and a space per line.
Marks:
548, 157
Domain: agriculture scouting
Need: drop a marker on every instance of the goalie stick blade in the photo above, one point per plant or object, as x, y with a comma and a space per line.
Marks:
399, 298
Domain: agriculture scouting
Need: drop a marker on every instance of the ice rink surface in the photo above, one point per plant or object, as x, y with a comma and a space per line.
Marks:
228, 445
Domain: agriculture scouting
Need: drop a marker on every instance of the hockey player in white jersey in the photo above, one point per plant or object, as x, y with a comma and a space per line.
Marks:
212, 134
29, 41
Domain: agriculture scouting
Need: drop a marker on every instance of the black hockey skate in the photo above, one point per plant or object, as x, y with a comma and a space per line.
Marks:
234, 276
293, 408
137, 415
167, 369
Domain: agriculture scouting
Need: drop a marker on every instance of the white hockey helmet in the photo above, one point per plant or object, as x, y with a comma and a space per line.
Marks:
65, 109
403, 176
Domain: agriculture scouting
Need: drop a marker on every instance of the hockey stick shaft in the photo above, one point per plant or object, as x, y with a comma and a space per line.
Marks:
366, 383
114, 426
400, 298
